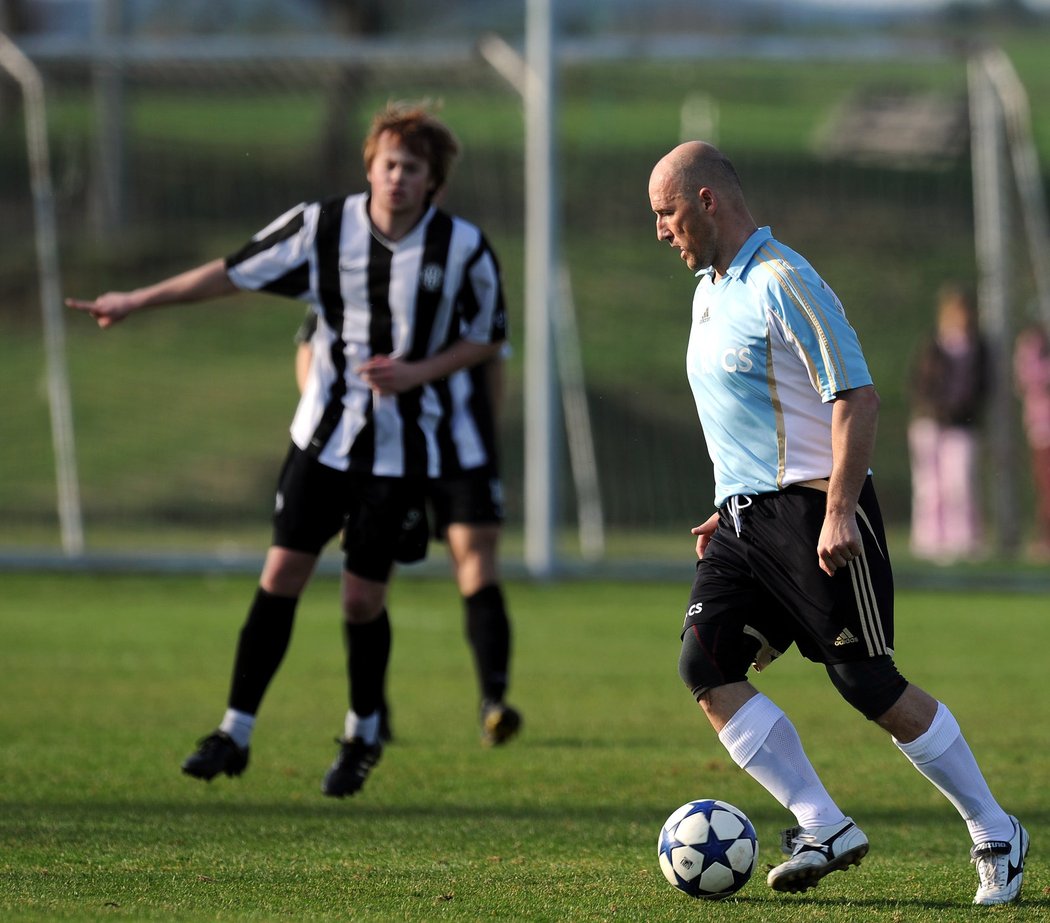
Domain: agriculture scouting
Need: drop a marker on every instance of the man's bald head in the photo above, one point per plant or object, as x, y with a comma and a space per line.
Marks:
699, 205
694, 164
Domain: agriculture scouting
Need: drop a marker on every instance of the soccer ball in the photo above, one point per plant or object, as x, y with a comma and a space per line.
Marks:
708, 849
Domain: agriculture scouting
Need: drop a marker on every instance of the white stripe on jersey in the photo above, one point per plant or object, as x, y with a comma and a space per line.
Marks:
470, 446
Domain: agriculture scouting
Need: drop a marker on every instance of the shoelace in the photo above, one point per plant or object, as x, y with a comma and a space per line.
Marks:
788, 838
793, 838
992, 869
991, 873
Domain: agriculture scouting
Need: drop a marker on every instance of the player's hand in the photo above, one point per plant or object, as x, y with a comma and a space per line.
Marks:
703, 533
107, 309
387, 374
839, 542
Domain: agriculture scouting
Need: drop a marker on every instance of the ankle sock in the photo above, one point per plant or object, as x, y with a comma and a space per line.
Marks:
366, 728
239, 725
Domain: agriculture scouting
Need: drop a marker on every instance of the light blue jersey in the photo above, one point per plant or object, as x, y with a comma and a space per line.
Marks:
769, 349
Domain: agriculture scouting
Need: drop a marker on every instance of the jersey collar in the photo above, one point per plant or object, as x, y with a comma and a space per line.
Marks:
747, 252
741, 260
393, 245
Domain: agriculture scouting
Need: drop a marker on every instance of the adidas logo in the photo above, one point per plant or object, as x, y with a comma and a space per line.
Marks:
705, 317
846, 637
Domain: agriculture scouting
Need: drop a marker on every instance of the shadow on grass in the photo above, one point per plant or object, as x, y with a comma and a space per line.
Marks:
811, 901
612, 812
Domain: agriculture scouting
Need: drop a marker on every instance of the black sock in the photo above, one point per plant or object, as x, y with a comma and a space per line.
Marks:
367, 656
260, 649
488, 630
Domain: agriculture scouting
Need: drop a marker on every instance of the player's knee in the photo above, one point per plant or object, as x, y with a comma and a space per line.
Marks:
362, 600
286, 572
870, 686
699, 670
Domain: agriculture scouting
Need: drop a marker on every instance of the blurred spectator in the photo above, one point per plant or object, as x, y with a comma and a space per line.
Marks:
947, 389
1032, 375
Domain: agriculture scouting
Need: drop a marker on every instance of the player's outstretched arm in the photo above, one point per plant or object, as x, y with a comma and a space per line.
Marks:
200, 284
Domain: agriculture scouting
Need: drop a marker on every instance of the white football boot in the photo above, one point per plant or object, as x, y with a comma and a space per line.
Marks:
815, 852
1000, 867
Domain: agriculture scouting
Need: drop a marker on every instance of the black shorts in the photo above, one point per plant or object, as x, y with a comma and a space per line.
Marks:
766, 582
471, 498
315, 502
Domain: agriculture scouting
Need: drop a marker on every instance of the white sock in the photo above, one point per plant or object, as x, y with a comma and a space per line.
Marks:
239, 725
764, 743
366, 728
944, 757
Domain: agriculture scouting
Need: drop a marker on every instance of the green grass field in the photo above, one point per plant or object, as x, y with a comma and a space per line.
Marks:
106, 682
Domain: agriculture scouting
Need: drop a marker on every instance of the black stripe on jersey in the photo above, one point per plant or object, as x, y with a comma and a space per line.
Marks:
329, 231
468, 301
480, 400
289, 229
380, 343
429, 289
480, 405
431, 283
380, 323
292, 284
482, 410
446, 448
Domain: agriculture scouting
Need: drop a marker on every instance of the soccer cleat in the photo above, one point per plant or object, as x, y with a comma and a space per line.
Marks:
214, 754
816, 852
351, 767
1000, 867
499, 723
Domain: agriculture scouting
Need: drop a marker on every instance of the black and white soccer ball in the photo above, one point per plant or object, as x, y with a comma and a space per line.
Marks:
708, 849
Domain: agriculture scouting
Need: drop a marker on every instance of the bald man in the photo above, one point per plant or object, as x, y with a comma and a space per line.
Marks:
796, 551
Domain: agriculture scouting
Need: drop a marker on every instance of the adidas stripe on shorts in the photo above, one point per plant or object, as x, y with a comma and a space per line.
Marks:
765, 580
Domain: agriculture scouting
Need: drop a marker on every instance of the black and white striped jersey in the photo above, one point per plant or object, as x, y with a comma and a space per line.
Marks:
409, 298
467, 433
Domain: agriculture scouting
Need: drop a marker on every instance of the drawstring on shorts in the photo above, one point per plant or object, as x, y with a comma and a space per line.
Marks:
734, 507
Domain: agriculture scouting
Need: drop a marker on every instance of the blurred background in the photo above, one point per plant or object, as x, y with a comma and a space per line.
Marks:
174, 131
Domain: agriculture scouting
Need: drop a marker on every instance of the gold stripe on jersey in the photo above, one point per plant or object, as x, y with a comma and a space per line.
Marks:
813, 304
792, 284
804, 353
778, 413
